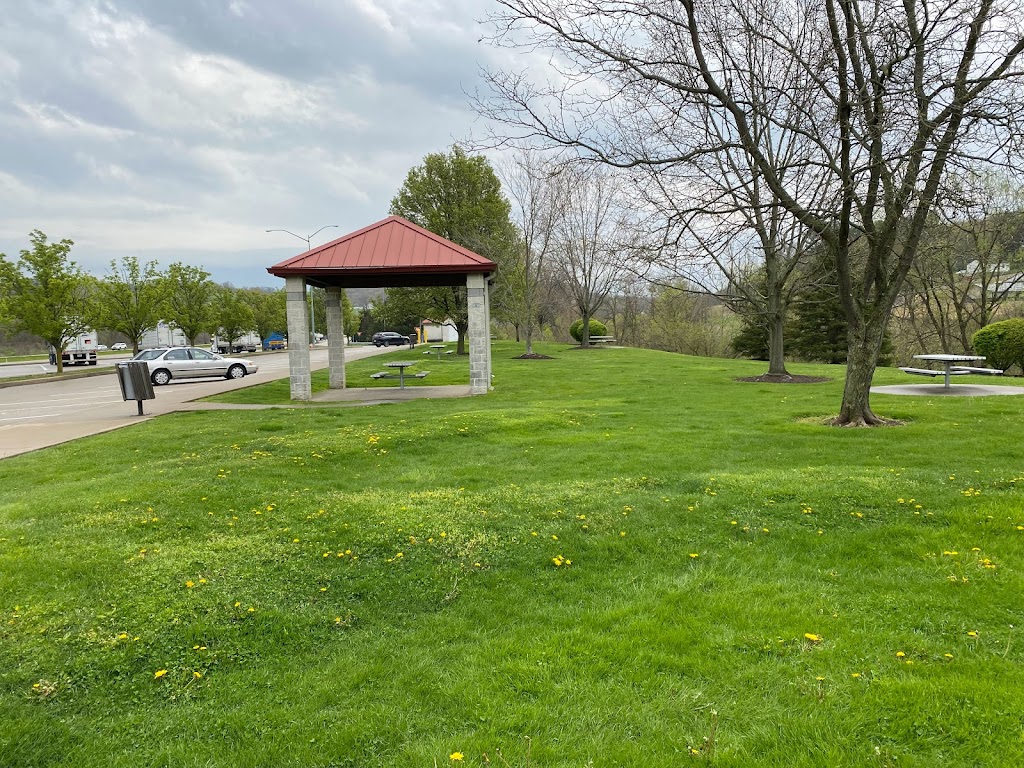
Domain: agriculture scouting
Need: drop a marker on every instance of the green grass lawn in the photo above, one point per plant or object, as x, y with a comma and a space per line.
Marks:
618, 558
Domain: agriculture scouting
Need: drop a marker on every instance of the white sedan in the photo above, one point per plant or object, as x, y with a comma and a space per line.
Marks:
192, 363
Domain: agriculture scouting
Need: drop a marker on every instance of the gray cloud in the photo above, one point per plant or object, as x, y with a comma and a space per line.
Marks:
159, 128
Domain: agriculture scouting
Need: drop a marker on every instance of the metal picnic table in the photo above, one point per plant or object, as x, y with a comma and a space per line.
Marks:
950, 363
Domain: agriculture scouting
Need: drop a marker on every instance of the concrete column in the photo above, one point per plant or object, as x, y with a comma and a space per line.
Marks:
298, 334
479, 334
335, 339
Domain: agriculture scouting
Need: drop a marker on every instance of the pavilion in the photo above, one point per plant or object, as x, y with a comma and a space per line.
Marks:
393, 253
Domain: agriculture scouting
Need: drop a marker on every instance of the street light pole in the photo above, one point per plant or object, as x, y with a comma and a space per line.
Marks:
307, 238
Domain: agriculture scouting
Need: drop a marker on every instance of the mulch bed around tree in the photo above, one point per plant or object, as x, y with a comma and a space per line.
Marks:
777, 378
534, 356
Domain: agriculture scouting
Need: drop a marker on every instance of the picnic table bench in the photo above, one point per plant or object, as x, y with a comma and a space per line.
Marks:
983, 371
931, 371
401, 365
950, 367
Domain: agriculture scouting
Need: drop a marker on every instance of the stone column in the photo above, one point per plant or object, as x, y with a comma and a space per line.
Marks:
479, 335
298, 338
335, 339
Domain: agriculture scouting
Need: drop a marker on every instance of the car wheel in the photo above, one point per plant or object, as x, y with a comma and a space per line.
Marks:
236, 371
161, 377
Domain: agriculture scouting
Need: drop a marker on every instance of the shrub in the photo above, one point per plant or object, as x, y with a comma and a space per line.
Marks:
1001, 343
597, 328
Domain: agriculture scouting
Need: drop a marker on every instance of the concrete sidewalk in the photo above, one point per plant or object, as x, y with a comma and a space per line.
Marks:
954, 390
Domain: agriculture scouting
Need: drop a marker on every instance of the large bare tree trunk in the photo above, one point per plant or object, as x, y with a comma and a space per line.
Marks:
776, 323
864, 342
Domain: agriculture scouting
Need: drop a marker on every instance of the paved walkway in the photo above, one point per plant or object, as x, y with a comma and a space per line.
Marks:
955, 390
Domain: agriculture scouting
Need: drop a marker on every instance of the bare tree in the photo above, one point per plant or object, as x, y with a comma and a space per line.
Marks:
592, 237
887, 96
536, 190
972, 260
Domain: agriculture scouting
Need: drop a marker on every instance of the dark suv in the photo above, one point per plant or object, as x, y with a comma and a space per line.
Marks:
390, 339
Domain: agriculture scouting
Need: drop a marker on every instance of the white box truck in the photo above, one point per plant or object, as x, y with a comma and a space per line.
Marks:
80, 349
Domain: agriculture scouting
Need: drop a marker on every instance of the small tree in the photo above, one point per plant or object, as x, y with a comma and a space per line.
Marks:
268, 310
46, 294
234, 315
131, 298
189, 293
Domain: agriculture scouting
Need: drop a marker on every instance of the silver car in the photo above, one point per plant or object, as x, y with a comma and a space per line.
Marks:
192, 363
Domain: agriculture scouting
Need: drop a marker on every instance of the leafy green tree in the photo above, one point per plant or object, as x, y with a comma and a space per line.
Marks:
458, 197
349, 315
131, 298
233, 313
47, 295
190, 300
268, 310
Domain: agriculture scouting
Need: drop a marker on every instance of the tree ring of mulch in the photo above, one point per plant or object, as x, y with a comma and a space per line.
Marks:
534, 356
785, 378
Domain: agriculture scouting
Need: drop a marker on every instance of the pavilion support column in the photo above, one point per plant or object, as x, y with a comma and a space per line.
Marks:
335, 339
298, 334
479, 334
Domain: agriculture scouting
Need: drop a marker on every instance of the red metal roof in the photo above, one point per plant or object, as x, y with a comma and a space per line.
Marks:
392, 252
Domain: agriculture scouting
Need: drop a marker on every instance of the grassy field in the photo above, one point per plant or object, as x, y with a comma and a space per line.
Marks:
617, 558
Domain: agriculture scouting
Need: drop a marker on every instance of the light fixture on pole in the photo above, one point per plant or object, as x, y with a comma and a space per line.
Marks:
307, 238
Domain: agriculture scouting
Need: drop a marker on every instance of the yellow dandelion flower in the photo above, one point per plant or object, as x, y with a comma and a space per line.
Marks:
456, 757
159, 673
197, 675
553, 537
972, 633
900, 654
189, 584
695, 554
622, 533
812, 637
855, 674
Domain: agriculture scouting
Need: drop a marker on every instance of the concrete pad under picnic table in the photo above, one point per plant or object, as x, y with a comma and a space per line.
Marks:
373, 395
954, 390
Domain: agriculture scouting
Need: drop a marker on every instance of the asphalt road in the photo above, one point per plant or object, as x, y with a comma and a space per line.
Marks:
51, 412
14, 370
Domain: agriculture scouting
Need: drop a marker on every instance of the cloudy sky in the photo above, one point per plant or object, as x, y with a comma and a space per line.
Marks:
182, 130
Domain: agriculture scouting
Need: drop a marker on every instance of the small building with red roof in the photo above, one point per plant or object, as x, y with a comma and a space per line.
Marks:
393, 253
